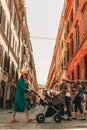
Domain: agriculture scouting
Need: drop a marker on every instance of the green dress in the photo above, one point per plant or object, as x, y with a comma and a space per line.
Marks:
20, 101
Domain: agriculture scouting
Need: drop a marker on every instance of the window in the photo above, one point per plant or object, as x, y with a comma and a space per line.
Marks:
71, 48
13, 42
7, 30
13, 70
5, 62
85, 19
0, 12
15, 20
62, 44
16, 76
65, 58
3, 20
15, 47
1, 55
85, 66
71, 18
68, 55
10, 35
78, 72
8, 63
24, 51
66, 30
10, 5
72, 75
77, 36
76, 3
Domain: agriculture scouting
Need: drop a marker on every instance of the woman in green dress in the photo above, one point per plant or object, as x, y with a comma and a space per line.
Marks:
20, 103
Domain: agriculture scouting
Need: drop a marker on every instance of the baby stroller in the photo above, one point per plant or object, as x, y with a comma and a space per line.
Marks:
53, 107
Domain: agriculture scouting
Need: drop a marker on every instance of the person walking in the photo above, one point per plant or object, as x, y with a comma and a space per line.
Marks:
67, 90
85, 99
20, 102
77, 100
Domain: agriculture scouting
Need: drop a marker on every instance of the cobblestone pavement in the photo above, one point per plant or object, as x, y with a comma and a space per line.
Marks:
5, 121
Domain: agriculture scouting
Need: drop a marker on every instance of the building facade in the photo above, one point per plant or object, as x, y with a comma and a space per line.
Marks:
51, 74
70, 52
76, 38
15, 48
57, 69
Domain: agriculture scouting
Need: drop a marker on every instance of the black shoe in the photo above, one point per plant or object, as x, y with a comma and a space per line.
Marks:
82, 119
74, 118
68, 119
63, 118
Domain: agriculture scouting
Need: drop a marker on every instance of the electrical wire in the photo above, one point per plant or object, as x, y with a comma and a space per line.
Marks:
45, 38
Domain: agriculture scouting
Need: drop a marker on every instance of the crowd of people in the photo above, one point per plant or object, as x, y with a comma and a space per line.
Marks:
74, 99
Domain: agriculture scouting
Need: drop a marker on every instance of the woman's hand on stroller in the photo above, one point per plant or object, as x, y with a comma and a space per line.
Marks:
30, 89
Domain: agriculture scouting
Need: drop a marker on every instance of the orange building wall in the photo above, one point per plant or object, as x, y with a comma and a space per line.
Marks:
78, 56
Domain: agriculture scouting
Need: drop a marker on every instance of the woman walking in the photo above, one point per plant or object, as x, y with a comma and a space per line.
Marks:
20, 103
77, 100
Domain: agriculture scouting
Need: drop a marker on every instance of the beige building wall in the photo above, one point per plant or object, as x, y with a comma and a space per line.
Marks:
58, 70
15, 48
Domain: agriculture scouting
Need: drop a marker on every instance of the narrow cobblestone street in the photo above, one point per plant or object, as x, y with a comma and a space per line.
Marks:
5, 122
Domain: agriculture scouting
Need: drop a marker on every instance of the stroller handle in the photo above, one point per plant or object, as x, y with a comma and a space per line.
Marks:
45, 101
35, 93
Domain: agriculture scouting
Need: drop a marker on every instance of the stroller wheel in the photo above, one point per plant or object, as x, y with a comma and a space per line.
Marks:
40, 118
57, 118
